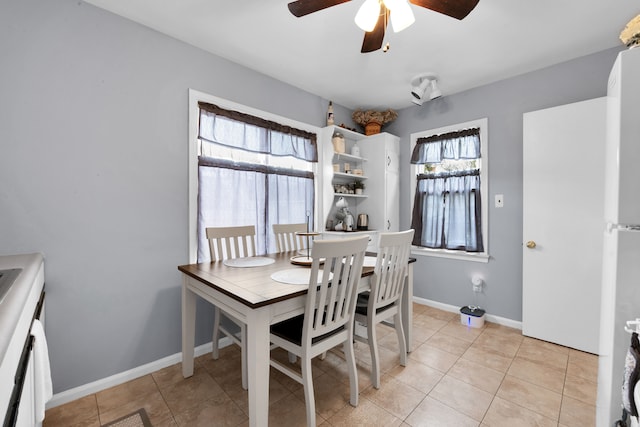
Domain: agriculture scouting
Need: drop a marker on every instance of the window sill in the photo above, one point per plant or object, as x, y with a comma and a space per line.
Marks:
444, 253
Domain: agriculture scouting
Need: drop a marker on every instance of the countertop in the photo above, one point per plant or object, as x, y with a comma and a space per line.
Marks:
16, 312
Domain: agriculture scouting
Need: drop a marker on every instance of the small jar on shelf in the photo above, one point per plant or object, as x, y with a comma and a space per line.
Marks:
355, 150
338, 142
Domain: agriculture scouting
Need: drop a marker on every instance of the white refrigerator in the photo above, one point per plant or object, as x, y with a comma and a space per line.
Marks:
621, 251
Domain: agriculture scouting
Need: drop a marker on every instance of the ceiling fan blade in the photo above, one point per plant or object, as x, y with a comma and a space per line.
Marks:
373, 39
454, 8
304, 7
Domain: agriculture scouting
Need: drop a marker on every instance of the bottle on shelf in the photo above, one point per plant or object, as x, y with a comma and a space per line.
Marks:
330, 114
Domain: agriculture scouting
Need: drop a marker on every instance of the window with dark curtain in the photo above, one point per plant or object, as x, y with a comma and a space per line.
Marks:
252, 171
447, 204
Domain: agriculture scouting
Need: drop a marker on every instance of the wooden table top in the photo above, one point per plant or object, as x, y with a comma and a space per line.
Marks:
252, 286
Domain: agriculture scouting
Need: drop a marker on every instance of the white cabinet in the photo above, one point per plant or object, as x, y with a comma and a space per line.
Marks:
392, 152
383, 203
379, 163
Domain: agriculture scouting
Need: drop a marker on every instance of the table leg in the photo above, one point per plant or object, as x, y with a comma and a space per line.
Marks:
188, 328
258, 350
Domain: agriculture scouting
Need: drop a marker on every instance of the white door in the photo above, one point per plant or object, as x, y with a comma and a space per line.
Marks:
563, 223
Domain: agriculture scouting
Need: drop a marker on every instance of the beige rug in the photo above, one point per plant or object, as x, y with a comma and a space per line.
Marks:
135, 419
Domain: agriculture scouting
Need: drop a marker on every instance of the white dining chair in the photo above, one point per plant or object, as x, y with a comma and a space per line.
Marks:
287, 239
384, 300
328, 319
229, 243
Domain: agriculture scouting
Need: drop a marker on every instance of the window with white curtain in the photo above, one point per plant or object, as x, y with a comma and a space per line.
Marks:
449, 187
252, 171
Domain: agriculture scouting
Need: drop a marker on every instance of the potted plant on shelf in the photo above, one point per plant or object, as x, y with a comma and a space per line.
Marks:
358, 186
372, 121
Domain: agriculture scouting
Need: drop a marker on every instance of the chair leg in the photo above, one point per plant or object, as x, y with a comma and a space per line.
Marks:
373, 346
397, 320
353, 372
215, 352
243, 355
309, 398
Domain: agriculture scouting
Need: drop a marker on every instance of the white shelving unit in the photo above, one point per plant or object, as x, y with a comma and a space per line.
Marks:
380, 176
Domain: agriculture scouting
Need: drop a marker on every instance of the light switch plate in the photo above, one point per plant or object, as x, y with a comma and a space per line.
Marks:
499, 200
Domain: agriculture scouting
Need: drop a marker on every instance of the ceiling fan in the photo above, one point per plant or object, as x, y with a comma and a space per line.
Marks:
374, 15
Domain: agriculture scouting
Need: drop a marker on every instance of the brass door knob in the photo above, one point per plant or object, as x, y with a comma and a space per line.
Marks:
531, 244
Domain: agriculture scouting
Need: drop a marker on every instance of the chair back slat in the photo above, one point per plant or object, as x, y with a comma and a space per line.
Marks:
331, 300
287, 239
231, 242
391, 268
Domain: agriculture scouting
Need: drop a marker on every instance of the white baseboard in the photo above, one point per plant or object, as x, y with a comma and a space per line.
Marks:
453, 309
122, 377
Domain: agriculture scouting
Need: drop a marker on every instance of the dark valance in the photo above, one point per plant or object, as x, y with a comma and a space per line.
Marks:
464, 144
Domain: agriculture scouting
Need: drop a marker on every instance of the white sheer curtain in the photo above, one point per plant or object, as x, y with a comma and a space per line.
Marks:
259, 190
231, 197
446, 210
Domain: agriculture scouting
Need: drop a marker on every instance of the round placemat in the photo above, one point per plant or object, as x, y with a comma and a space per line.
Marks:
254, 261
294, 276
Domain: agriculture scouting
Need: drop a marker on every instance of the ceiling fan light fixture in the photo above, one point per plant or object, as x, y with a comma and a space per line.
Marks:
367, 15
401, 14
374, 15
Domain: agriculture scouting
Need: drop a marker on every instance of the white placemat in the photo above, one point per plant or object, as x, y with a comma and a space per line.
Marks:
294, 276
369, 261
254, 261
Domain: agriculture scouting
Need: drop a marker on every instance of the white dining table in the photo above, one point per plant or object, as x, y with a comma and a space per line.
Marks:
252, 296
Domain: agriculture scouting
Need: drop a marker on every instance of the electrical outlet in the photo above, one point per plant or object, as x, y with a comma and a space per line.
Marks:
499, 200
477, 283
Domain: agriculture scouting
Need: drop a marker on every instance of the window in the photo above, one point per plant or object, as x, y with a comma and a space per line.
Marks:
247, 167
449, 183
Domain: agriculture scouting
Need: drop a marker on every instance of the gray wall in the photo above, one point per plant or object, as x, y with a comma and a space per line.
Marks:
503, 103
93, 173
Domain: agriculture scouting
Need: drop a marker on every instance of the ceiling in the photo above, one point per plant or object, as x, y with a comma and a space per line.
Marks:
320, 52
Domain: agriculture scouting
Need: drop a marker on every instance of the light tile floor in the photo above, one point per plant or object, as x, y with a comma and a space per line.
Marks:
455, 377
